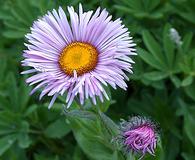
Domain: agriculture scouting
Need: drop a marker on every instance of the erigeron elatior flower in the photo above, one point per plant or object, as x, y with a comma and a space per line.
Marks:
79, 56
139, 135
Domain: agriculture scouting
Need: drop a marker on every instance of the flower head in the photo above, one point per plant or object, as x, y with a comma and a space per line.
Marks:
78, 57
139, 135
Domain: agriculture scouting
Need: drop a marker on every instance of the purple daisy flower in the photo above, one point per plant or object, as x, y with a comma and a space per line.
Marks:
78, 57
139, 135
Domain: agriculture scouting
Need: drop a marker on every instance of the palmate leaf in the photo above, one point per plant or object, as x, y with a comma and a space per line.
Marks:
165, 61
171, 54
18, 16
166, 57
12, 15
18, 24
185, 9
154, 78
16, 95
149, 77
148, 58
154, 48
155, 75
13, 105
141, 8
13, 126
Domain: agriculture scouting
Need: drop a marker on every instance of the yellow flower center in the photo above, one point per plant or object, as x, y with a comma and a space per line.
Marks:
81, 57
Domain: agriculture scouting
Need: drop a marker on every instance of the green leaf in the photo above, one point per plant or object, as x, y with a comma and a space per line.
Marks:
6, 142
187, 156
80, 114
3, 65
91, 138
23, 140
148, 58
187, 41
22, 135
10, 154
173, 150
187, 81
169, 46
189, 124
176, 81
189, 90
12, 24
189, 119
57, 129
188, 16
24, 97
157, 84
4, 15
155, 75
26, 8
19, 16
30, 110
14, 34
154, 48
13, 93
140, 9
109, 124
123, 8
4, 103
78, 154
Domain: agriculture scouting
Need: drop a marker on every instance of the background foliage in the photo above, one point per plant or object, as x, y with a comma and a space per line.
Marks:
162, 86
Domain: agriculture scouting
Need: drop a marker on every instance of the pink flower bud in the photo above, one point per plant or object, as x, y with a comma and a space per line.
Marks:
139, 135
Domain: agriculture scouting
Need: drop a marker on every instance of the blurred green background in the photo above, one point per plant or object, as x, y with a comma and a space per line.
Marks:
162, 86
